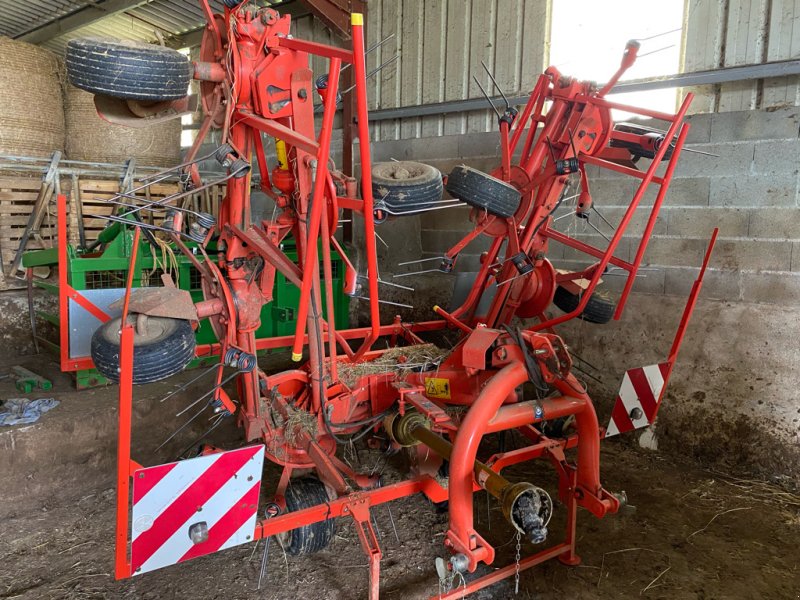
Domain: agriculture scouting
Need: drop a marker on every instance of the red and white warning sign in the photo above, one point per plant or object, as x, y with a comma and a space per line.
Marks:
194, 507
639, 396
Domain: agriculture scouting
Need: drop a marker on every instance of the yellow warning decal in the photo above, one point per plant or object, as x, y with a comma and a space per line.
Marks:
437, 387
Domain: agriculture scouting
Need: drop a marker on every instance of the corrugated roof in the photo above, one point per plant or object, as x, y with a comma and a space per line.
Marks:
19, 17
169, 17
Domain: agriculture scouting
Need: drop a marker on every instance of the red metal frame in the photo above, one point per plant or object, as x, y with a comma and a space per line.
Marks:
269, 87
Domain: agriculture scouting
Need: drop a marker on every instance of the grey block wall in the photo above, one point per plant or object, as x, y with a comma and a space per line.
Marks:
749, 191
734, 370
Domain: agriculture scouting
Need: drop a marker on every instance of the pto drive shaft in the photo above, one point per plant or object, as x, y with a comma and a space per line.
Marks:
526, 506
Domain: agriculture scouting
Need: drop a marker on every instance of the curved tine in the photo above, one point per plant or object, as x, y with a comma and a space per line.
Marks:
179, 195
415, 212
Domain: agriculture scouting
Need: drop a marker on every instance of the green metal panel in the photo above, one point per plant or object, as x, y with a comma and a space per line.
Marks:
109, 268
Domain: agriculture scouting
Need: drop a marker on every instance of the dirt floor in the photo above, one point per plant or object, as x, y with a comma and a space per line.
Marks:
687, 532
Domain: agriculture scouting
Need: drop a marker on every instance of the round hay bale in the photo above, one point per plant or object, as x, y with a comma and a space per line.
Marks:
91, 138
31, 109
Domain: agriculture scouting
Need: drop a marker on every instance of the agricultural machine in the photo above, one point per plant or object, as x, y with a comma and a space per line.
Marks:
438, 405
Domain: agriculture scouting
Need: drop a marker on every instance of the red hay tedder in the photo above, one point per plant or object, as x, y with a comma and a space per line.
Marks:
256, 83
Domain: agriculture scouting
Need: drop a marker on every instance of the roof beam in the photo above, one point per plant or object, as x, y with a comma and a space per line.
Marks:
80, 18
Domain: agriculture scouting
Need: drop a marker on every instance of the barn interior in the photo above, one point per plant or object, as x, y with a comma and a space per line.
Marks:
120, 206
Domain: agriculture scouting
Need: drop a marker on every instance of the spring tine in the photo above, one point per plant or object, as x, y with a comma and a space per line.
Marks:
384, 302
423, 210
382, 241
207, 394
374, 71
593, 226
583, 360
208, 431
494, 81
599, 214
569, 214
264, 561
391, 520
485, 95
654, 51
188, 383
417, 273
181, 428
389, 283
377, 529
421, 260
700, 152
371, 48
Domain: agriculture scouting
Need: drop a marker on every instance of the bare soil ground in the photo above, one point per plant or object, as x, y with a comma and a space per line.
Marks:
688, 532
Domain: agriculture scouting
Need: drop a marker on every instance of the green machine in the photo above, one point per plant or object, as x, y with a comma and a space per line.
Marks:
104, 266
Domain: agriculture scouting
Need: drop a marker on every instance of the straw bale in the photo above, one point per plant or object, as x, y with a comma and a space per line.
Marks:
31, 109
91, 138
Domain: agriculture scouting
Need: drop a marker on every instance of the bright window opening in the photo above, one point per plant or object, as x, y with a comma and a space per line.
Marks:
588, 38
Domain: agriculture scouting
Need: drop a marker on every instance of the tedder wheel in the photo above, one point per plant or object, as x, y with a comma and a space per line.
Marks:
599, 309
162, 347
128, 70
306, 492
406, 186
483, 191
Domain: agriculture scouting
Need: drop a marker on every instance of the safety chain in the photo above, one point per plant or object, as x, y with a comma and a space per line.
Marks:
516, 558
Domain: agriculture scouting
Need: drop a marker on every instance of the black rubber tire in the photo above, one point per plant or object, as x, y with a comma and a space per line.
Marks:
128, 70
636, 149
165, 352
406, 186
599, 309
483, 191
301, 493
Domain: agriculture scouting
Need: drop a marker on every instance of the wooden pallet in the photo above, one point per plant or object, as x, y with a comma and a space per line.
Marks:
17, 198
18, 195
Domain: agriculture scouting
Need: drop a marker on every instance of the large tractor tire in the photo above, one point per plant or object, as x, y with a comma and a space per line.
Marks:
301, 493
405, 186
161, 348
483, 191
599, 309
128, 70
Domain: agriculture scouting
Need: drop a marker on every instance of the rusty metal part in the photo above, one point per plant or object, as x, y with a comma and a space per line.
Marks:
168, 302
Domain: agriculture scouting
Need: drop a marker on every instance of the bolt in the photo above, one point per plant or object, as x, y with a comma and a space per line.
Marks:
636, 413
302, 93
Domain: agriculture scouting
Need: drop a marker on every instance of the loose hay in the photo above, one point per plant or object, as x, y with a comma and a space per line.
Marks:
421, 357
32, 110
299, 420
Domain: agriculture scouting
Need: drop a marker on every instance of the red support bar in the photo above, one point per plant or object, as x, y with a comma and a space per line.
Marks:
653, 114
278, 131
690, 304
651, 222
676, 121
86, 305
584, 247
63, 281
607, 164
360, 69
318, 206
122, 566
318, 49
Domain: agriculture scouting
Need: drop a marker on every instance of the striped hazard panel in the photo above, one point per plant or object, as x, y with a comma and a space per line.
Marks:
194, 507
639, 396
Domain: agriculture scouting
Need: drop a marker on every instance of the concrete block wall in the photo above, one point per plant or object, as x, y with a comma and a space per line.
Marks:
733, 383
749, 191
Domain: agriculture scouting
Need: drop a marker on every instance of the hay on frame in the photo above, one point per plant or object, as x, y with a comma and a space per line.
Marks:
421, 357
32, 109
